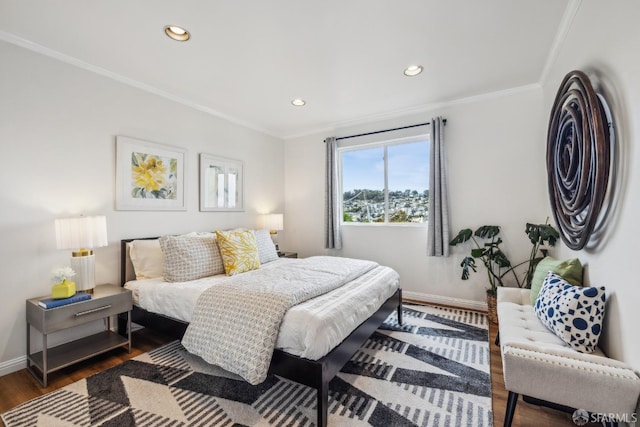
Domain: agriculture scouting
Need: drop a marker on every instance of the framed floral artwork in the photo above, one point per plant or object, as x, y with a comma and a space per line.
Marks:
149, 176
221, 184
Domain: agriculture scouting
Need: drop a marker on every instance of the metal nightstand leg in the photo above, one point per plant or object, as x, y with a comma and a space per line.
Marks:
44, 360
42, 379
129, 329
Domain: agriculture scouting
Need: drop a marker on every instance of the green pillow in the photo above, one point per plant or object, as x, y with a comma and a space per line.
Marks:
570, 270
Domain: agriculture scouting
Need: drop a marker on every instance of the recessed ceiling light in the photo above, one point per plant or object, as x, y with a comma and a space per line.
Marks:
177, 33
413, 70
298, 102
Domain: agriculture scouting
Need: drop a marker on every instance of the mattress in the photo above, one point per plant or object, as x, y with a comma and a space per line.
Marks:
308, 330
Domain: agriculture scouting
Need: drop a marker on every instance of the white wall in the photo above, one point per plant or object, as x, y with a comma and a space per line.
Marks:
57, 147
603, 41
495, 150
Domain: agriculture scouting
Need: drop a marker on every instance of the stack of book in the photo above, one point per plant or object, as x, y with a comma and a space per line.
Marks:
58, 302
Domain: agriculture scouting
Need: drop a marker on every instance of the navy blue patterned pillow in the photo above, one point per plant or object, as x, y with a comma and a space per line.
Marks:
544, 307
573, 313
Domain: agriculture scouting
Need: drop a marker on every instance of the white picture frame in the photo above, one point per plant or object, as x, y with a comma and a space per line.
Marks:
221, 184
149, 176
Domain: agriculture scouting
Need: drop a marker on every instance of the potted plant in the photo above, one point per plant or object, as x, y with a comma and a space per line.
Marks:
486, 248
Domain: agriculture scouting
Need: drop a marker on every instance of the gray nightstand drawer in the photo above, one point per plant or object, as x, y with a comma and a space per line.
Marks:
107, 300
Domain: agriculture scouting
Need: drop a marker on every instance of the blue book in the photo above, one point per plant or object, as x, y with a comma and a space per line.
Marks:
53, 303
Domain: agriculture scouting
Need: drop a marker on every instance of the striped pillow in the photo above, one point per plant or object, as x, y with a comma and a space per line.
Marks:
266, 249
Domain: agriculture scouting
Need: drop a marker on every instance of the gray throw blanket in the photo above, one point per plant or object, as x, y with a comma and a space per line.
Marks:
235, 325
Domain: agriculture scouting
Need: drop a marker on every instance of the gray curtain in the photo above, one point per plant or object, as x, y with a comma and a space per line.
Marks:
333, 237
438, 229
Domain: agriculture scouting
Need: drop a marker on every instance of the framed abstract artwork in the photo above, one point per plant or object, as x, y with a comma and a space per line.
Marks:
149, 176
580, 159
221, 184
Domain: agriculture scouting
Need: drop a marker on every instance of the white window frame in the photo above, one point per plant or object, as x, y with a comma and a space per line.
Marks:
354, 146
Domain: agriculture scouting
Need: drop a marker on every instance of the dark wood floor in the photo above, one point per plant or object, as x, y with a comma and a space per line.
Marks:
20, 386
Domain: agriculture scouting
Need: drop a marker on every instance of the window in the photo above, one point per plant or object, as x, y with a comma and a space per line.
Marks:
385, 182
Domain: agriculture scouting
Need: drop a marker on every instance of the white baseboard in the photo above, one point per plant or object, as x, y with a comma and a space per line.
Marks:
438, 299
13, 365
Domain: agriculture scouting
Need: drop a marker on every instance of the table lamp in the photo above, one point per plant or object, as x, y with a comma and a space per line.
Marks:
82, 234
274, 222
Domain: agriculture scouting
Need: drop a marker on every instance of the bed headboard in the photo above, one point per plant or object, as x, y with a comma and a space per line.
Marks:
126, 267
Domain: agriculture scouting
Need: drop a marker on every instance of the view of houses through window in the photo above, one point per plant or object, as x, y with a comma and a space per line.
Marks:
387, 182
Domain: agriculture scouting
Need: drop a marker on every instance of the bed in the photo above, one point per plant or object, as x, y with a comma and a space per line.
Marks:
313, 367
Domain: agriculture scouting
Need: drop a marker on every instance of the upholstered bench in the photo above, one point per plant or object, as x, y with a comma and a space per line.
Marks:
538, 364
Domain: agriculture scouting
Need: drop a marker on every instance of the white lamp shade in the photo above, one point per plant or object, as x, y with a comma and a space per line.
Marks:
81, 232
274, 222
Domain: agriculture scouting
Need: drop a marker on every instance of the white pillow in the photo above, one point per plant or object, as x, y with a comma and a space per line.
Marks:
147, 258
266, 249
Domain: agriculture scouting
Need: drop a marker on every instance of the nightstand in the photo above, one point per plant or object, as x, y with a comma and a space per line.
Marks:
106, 301
288, 254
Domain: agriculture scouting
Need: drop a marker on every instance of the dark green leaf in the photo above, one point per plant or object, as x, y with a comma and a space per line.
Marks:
501, 259
487, 231
541, 234
462, 237
494, 243
477, 252
466, 264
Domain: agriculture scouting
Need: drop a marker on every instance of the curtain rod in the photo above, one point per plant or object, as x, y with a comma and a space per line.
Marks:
387, 130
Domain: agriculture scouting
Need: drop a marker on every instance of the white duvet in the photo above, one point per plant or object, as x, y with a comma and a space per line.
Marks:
309, 330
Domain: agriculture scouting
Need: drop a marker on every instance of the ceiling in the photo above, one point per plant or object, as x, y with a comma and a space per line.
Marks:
247, 60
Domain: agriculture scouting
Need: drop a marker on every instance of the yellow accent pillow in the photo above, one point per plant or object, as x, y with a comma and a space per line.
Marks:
239, 251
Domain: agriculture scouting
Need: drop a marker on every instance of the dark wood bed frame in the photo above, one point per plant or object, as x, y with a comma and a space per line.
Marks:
312, 373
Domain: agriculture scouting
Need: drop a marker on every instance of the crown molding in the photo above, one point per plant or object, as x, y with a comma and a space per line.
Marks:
420, 109
563, 30
329, 128
51, 53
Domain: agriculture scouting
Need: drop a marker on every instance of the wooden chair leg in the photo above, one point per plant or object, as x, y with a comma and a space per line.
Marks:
511, 408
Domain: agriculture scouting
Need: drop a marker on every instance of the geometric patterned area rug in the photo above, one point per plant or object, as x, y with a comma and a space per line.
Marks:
432, 371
